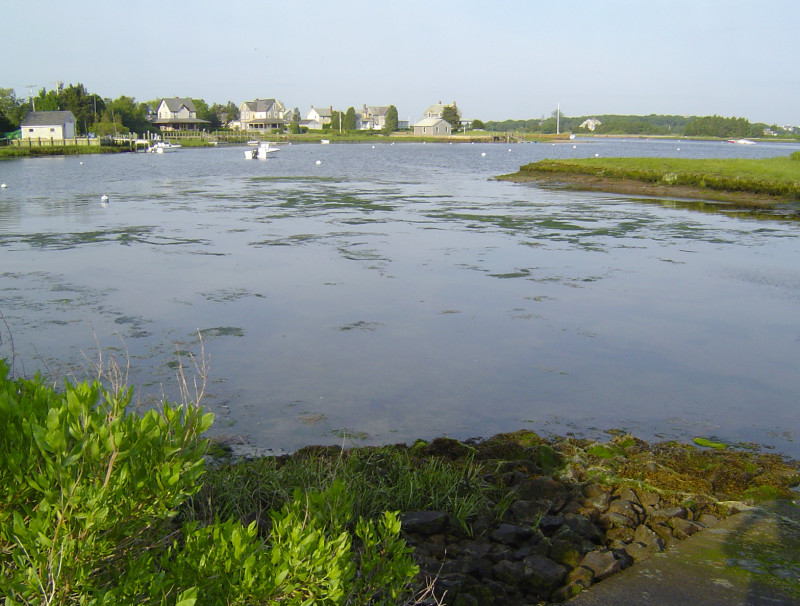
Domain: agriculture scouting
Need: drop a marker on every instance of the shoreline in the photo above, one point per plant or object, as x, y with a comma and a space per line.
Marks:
570, 513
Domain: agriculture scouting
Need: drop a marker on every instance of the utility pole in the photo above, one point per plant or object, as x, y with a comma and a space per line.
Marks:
30, 88
558, 118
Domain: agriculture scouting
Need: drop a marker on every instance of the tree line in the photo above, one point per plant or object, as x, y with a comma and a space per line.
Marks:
653, 124
98, 115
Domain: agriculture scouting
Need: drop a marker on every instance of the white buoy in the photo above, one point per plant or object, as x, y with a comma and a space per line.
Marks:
509, 149
679, 149
81, 163
3, 186
597, 155
373, 147
574, 147
104, 198
319, 162
483, 154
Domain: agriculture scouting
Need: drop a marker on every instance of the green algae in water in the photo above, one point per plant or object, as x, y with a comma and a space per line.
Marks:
710, 444
222, 331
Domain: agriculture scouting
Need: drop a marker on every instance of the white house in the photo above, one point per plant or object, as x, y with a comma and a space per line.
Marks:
371, 117
177, 114
433, 126
47, 125
590, 123
262, 115
316, 117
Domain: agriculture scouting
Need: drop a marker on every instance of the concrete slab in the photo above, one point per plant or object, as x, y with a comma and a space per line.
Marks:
750, 559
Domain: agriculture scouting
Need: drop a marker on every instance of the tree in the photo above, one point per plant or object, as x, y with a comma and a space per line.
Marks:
349, 121
336, 121
76, 99
478, 125
204, 113
450, 114
124, 110
12, 110
46, 101
391, 120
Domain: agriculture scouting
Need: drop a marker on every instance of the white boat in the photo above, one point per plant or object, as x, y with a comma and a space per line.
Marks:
253, 142
261, 152
161, 147
324, 141
742, 141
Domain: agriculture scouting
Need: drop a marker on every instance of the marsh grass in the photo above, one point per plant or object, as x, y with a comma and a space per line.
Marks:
380, 479
779, 177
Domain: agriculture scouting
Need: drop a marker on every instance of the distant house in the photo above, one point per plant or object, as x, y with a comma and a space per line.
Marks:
48, 125
371, 117
433, 126
316, 117
437, 110
262, 115
590, 123
177, 114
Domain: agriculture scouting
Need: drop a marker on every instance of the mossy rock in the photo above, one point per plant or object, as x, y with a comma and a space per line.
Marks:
447, 448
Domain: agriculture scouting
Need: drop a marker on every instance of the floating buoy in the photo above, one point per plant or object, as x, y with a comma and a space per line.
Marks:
81, 163
509, 149
104, 198
597, 155
373, 147
319, 162
483, 154
3, 186
574, 147
679, 149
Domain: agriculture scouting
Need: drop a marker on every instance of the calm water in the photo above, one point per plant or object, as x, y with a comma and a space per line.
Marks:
395, 292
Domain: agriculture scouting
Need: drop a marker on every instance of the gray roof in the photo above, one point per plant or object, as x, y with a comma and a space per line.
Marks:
324, 112
260, 105
174, 104
47, 118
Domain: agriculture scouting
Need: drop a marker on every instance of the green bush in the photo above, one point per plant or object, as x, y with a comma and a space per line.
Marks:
795, 155
89, 495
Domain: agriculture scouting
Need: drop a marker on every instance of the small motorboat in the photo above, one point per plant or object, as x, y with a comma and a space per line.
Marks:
742, 141
261, 152
161, 147
325, 141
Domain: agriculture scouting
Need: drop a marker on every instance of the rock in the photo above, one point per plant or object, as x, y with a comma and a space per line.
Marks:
584, 527
512, 534
631, 510
535, 574
527, 512
544, 489
596, 496
602, 564
671, 512
638, 551
551, 523
682, 529
650, 539
424, 522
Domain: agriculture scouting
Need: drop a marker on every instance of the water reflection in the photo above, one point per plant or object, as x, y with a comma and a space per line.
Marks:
396, 292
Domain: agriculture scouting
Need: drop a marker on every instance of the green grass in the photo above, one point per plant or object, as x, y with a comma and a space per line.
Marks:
8, 152
778, 177
380, 479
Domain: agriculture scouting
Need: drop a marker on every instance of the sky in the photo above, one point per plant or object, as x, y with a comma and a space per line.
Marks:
498, 59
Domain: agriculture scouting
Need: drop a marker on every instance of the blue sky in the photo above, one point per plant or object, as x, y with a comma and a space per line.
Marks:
501, 59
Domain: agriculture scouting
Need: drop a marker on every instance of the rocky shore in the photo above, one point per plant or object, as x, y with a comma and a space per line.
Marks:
576, 512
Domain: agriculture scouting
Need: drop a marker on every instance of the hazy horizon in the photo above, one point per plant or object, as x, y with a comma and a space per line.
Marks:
514, 60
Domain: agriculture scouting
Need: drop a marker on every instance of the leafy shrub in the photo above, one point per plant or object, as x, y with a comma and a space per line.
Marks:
89, 495
795, 155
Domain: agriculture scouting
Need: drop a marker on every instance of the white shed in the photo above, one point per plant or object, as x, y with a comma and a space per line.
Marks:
48, 125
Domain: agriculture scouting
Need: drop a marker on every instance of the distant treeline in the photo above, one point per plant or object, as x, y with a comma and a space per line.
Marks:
609, 124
